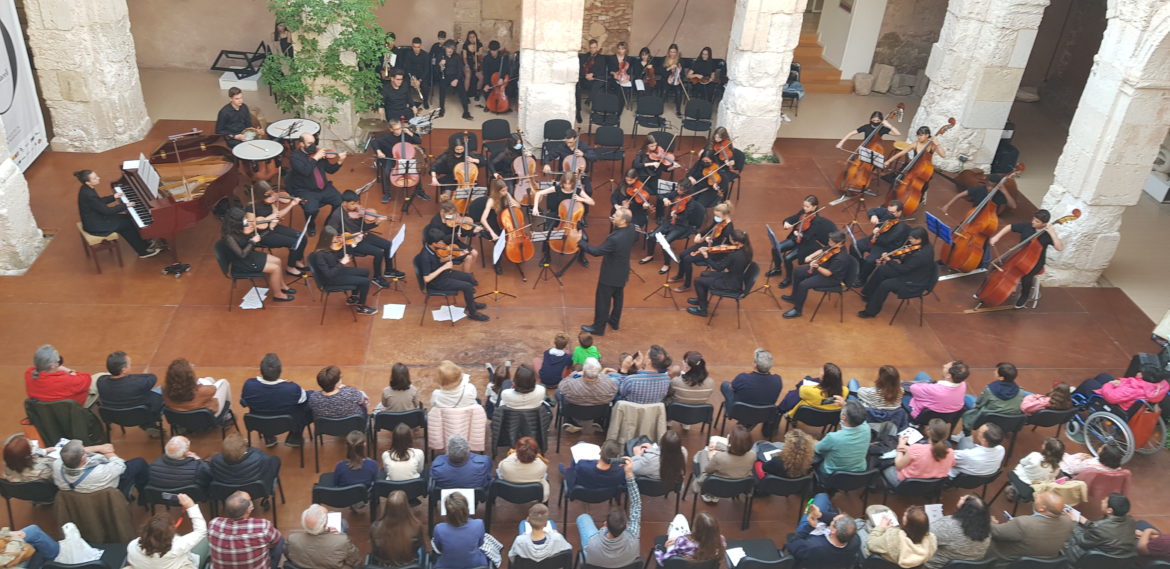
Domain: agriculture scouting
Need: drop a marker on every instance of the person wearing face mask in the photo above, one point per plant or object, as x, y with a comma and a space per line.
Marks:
502, 162
383, 146
718, 233
615, 270
707, 189
727, 270
309, 179
876, 121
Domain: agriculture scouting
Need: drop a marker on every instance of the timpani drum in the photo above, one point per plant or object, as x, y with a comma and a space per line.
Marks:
258, 150
420, 125
291, 129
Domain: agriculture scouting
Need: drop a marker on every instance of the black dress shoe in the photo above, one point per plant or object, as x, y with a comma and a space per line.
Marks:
584, 262
664, 270
479, 306
784, 283
467, 116
613, 325
787, 298
312, 231
288, 290
442, 112
478, 316
385, 198
394, 274
794, 313
422, 195
646, 260
589, 328
693, 301
697, 310
289, 298
774, 273
864, 314
674, 279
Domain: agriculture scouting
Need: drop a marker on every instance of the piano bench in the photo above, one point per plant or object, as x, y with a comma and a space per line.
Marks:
93, 244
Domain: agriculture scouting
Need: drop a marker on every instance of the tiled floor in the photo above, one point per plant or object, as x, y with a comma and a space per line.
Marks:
1075, 333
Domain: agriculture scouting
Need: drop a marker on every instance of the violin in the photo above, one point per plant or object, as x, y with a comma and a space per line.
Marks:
722, 150
466, 174
649, 79
717, 230
826, 256
901, 252
909, 183
662, 157
1008, 269
858, 172
805, 223
623, 73
886, 226
463, 222
404, 174
277, 196
447, 252
681, 205
332, 155
346, 239
712, 172
969, 237
638, 194
724, 248
367, 215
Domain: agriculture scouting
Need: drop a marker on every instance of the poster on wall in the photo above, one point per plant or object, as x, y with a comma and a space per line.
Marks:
19, 107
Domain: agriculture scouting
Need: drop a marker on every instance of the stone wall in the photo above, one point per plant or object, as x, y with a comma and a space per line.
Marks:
608, 22
20, 238
909, 29
1069, 66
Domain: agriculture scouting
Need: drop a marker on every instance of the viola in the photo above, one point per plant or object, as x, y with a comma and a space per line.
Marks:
276, 196
826, 256
447, 252
332, 155
649, 79
675, 77
519, 246
570, 212
367, 215
901, 251
805, 223
712, 172
662, 157
908, 185
404, 174
858, 172
466, 175
463, 222
497, 100
638, 194
346, 239
725, 248
623, 73
886, 226
1008, 269
969, 237
681, 204
717, 230
723, 151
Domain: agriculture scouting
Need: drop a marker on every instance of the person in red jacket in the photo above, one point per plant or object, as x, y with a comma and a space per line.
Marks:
48, 380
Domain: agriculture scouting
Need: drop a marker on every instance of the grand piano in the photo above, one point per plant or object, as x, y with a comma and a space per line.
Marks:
178, 185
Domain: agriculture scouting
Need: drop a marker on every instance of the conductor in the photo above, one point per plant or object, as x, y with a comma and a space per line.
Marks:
615, 271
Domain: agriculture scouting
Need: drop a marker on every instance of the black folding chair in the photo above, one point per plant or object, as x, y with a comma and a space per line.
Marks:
931, 488
691, 414
153, 495
851, 269
878, 562
826, 419
926, 415
415, 489
606, 111
655, 488
554, 131
562, 560
609, 146
137, 416
842, 481
596, 413
201, 420
219, 492
749, 283
720, 487
648, 113
328, 290
1010, 424
1101, 560
904, 298
696, 117
970, 564
496, 135
271, 426
585, 495
772, 485
37, 492
388, 420
256, 278
1051, 418
759, 554
1038, 563
748, 415
340, 497
510, 492
429, 292
972, 481
335, 427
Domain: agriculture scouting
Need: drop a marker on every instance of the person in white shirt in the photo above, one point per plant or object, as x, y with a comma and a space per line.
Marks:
455, 389
402, 461
980, 454
159, 548
85, 472
525, 392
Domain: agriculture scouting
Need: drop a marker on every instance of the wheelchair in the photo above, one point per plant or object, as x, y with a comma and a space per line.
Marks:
1097, 424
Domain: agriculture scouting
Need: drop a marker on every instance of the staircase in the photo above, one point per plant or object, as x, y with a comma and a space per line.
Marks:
816, 74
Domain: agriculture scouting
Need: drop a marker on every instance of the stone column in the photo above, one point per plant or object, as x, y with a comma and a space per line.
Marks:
763, 36
84, 57
975, 70
341, 130
20, 238
550, 35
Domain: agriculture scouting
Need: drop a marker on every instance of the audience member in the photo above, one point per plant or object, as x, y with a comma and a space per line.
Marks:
460, 468
618, 544
908, 545
1114, 534
695, 385
586, 389
933, 460
455, 388
524, 464
648, 383
757, 387
665, 461
944, 396
183, 392
980, 454
834, 547
795, 459
525, 393
45, 548
336, 400
1001, 396
1152, 543
396, 539
1035, 467
1149, 384
358, 467
24, 463
402, 461
963, 535
702, 542
320, 546
825, 393
847, 448
400, 395
556, 363
237, 463
537, 541
458, 540
1059, 399
85, 471
886, 392
179, 467
1039, 535
239, 541
269, 395
585, 349
734, 461
596, 474
159, 548
49, 380
123, 390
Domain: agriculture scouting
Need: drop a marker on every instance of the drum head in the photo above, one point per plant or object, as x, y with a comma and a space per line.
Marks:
420, 125
290, 129
258, 149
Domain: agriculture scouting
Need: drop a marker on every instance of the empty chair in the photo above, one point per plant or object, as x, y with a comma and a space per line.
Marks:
687, 414
340, 497
748, 415
771, 485
606, 111
609, 146
848, 481
271, 426
696, 117
138, 416
648, 113
510, 492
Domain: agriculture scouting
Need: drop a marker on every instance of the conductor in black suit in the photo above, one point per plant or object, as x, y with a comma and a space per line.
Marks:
907, 274
615, 271
308, 179
99, 218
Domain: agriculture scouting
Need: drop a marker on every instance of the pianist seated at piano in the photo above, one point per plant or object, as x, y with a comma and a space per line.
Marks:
234, 118
241, 240
309, 178
103, 215
354, 221
270, 209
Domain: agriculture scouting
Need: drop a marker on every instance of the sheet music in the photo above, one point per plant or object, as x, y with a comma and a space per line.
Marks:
666, 186
934, 512
665, 246
639, 85
501, 243
585, 451
398, 239
470, 193
149, 175
734, 555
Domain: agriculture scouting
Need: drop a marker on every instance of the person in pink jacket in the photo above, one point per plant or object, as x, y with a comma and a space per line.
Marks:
1149, 384
946, 395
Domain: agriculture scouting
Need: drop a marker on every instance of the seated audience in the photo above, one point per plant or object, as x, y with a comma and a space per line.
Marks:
458, 540
909, 545
1114, 534
1035, 467
1039, 535
703, 541
84, 471
524, 465
240, 541
183, 392
123, 390
795, 459
396, 539
269, 395
886, 392
757, 387
646, 381
617, 543
695, 385
1152, 543
1149, 384
933, 460
23, 463
336, 400
586, 389
980, 454
596, 474
556, 362
179, 467
1059, 399
847, 448
525, 393
238, 463
964, 535
321, 547
460, 468
836, 546
825, 393
45, 548
358, 467
665, 460
944, 396
735, 461
1001, 396
585, 349
400, 395
402, 461
158, 547
1103, 474
49, 380
455, 388
537, 541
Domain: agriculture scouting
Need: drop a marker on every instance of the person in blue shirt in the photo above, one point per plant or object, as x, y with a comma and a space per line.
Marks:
357, 468
270, 395
459, 468
837, 548
458, 539
846, 448
757, 387
597, 474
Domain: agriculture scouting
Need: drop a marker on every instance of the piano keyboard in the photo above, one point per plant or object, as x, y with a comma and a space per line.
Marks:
140, 211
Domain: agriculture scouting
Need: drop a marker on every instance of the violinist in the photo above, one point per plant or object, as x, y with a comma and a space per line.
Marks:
706, 179
486, 210
555, 153
701, 74
396, 98
448, 73
352, 218
621, 71
826, 267
241, 240
876, 121
680, 226
649, 164
807, 231
591, 70
624, 197
443, 169
330, 268
416, 62
266, 214
976, 191
439, 274
907, 270
645, 69
1048, 236
725, 153
889, 233
923, 142
564, 190
727, 267
460, 230
309, 181
672, 69
383, 146
718, 233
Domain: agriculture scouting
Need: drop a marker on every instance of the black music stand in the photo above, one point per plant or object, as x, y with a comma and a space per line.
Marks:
497, 252
546, 267
665, 289
767, 286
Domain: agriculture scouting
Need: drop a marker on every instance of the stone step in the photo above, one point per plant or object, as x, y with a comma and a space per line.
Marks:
805, 52
828, 87
809, 38
810, 73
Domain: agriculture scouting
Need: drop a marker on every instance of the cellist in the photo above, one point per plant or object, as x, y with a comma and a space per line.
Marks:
555, 153
923, 142
486, 209
564, 190
443, 170
1026, 229
494, 61
383, 146
977, 192
909, 269
808, 230
875, 121
889, 233
718, 233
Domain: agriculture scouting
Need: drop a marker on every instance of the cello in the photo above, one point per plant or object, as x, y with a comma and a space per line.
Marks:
519, 247
1007, 270
497, 100
909, 183
570, 212
858, 172
972, 234
404, 174
524, 166
466, 174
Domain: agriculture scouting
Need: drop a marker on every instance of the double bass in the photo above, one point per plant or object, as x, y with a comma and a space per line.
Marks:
858, 172
497, 100
1008, 269
518, 247
524, 166
971, 235
404, 174
909, 183
466, 174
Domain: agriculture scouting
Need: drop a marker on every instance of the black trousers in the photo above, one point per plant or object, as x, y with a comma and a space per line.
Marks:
314, 199
784, 255
672, 233
675, 91
128, 230
444, 87
803, 281
607, 305
879, 287
285, 237
458, 281
377, 247
687, 261
869, 263
355, 277
1026, 284
703, 285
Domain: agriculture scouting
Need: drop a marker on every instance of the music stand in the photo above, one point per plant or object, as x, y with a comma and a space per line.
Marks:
767, 286
943, 233
496, 293
664, 290
395, 243
546, 268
